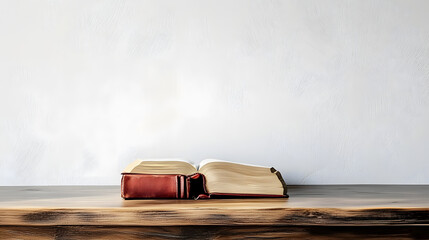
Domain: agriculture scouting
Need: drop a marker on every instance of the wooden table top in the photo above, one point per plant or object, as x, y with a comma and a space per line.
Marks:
307, 205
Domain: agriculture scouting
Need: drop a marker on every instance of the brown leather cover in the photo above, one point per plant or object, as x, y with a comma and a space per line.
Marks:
152, 186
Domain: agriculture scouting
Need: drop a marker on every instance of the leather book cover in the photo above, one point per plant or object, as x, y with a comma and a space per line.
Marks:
153, 186
140, 186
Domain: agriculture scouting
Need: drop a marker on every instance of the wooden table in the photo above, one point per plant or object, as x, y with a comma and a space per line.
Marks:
74, 212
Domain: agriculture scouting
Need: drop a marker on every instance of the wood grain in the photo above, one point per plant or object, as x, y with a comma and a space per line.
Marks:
212, 232
307, 205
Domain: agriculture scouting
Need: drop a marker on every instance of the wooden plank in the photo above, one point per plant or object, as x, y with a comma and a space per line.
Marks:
331, 196
269, 217
212, 232
307, 205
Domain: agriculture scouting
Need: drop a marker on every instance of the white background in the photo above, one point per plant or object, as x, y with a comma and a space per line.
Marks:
328, 92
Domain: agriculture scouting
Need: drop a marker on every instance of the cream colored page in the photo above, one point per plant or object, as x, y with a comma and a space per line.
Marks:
225, 177
160, 166
131, 166
210, 160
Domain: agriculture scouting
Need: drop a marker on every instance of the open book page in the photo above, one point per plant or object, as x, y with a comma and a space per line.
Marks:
233, 178
161, 166
205, 161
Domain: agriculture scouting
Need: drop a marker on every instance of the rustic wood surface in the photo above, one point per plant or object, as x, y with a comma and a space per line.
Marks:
307, 205
213, 232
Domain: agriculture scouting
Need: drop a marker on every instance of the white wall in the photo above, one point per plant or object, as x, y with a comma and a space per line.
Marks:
325, 91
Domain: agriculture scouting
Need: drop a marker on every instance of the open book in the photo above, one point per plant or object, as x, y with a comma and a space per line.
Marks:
175, 178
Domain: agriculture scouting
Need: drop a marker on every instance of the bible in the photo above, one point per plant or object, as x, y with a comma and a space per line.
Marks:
178, 179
